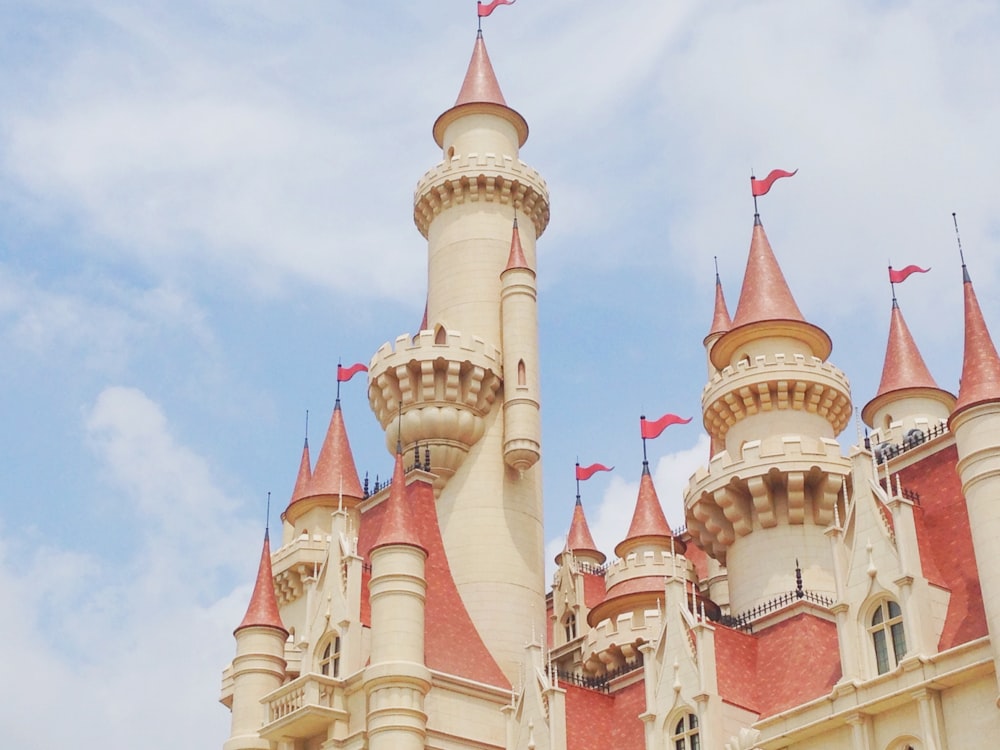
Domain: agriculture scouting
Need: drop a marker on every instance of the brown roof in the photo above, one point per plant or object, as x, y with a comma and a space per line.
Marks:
480, 84
263, 608
516, 258
765, 294
721, 322
335, 473
396, 526
648, 521
304, 475
579, 538
980, 365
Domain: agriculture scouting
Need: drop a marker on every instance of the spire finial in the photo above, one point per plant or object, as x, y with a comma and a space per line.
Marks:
307, 428
716, 259
961, 254
267, 516
399, 430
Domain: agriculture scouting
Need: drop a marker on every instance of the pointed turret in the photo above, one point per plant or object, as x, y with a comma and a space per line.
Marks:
335, 473
649, 526
480, 93
767, 307
721, 322
304, 476
908, 397
580, 541
263, 608
980, 381
396, 528
516, 258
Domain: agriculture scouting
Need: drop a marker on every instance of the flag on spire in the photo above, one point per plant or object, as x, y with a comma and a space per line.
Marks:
653, 429
346, 373
485, 10
586, 472
760, 187
897, 277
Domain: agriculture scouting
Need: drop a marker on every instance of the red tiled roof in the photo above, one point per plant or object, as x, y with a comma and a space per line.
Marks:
625, 596
765, 294
699, 559
397, 528
648, 521
721, 322
579, 538
785, 665
263, 608
980, 364
945, 542
451, 642
304, 475
594, 590
904, 367
335, 472
480, 84
627, 732
516, 258
589, 719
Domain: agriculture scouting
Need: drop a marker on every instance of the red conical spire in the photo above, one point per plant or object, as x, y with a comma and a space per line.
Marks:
263, 609
480, 84
765, 294
304, 476
721, 322
516, 258
579, 538
648, 522
396, 528
904, 367
335, 473
980, 365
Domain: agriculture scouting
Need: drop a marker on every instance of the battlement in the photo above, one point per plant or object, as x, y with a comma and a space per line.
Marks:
648, 563
435, 394
487, 177
292, 563
614, 642
776, 382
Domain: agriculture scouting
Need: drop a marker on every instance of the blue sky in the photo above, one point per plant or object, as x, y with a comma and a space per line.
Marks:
203, 206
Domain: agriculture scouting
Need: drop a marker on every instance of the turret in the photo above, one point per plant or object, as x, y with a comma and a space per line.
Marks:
976, 425
721, 323
259, 665
519, 321
908, 402
466, 387
397, 678
777, 406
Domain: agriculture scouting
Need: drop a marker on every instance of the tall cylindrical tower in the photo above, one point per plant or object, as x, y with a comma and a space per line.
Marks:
776, 405
454, 388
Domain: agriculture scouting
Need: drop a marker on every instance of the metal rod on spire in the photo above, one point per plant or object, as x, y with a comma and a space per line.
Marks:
399, 429
961, 254
267, 515
338, 378
307, 424
577, 471
716, 259
753, 177
892, 285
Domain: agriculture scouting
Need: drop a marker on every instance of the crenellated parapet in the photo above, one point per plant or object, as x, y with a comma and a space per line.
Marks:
776, 382
789, 480
481, 177
435, 394
295, 563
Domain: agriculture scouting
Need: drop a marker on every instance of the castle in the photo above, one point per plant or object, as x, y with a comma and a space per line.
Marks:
814, 599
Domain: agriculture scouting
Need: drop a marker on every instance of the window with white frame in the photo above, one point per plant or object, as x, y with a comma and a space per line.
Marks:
329, 662
888, 637
569, 626
685, 735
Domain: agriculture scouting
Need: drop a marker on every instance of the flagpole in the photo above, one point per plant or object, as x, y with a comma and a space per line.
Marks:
338, 378
892, 285
577, 479
754, 193
641, 420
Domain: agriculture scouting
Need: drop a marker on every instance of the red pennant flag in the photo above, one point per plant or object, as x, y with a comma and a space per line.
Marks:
895, 277
346, 373
586, 472
652, 430
485, 10
760, 187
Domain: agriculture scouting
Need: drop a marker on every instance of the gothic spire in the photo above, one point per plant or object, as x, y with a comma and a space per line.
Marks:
648, 522
335, 473
396, 525
980, 365
263, 608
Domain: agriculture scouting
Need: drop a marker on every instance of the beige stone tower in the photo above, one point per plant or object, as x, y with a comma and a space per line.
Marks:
259, 664
976, 425
466, 387
776, 404
397, 678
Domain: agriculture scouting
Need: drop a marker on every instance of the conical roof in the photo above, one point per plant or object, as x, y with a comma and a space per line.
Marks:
904, 369
648, 522
480, 93
304, 476
766, 306
980, 364
335, 473
396, 527
516, 258
579, 538
721, 322
263, 609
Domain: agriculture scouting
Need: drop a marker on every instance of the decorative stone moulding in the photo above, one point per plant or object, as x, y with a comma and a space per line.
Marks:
436, 396
774, 383
481, 177
295, 562
736, 495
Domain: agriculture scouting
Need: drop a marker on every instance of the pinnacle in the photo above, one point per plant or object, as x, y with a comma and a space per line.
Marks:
721, 322
980, 366
648, 521
480, 84
396, 527
335, 473
765, 294
263, 608
516, 258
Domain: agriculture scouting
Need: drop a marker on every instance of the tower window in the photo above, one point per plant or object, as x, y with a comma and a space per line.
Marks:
522, 377
570, 626
329, 664
440, 335
685, 734
888, 638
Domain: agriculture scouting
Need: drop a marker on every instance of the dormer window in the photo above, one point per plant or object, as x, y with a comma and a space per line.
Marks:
329, 663
888, 637
685, 735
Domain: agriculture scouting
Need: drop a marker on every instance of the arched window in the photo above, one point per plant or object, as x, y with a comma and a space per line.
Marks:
522, 377
888, 638
440, 335
569, 626
329, 662
685, 734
